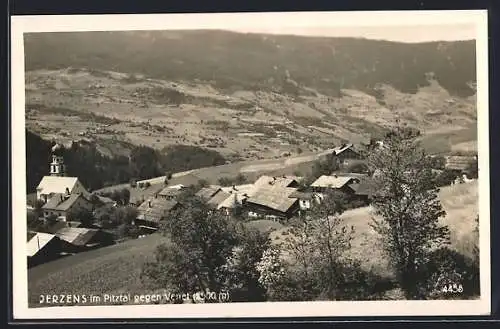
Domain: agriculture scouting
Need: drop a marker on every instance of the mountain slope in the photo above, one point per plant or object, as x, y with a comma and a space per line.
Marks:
252, 61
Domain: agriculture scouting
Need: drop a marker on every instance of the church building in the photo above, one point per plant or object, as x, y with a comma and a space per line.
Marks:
57, 182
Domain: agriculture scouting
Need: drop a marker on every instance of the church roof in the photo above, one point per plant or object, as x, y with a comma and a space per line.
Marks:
55, 184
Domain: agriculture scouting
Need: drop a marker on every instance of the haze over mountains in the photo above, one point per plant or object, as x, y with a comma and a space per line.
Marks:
246, 96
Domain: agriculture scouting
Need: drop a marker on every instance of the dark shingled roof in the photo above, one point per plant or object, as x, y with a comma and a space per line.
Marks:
301, 195
62, 203
218, 198
153, 210
77, 236
30, 235
365, 187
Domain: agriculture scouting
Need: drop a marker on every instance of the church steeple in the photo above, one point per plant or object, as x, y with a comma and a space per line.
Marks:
57, 167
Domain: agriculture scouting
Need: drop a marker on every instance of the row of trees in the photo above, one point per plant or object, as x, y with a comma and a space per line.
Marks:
210, 250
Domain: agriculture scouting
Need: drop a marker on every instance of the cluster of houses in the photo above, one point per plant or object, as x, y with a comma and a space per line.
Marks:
60, 196
269, 197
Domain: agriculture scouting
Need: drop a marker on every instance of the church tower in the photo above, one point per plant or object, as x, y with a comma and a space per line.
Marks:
57, 167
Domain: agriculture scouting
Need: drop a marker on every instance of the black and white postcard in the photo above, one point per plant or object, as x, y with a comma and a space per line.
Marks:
250, 165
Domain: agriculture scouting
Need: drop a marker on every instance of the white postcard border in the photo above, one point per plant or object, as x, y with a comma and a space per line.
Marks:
23, 24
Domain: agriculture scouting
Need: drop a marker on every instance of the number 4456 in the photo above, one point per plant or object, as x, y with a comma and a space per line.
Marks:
453, 288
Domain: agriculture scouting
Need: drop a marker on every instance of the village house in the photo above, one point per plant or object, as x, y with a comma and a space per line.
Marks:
153, 211
62, 204
283, 181
171, 192
217, 200
363, 190
43, 247
334, 182
306, 199
206, 193
273, 202
233, 196
80, 239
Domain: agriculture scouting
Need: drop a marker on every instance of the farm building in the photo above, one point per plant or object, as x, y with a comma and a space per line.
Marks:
43, 247
341, 183
57, 182
61, 204
283, 181
81, 239
306, 199
103, 200
218, 198
50, 185
139, 195
171, 192
273, 202
345, 152
459, 163
363, 190
153, 211
206, 193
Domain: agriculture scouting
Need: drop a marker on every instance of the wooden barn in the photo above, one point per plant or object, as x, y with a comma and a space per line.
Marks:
80, 239
152, 212
273, 202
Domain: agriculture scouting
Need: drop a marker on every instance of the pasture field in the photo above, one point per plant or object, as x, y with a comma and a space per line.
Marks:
111, 270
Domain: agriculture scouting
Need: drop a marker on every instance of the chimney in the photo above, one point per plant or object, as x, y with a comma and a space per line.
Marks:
62, 198
67, 191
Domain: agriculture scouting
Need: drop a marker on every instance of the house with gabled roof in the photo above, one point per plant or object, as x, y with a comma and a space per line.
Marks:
152, 211
82, 239
61, 204
50, 185
43, 247
273, 202
171, 192
57, 181
335, 182
459, 163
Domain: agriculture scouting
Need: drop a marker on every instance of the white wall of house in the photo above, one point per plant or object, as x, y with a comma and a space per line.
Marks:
304, 204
